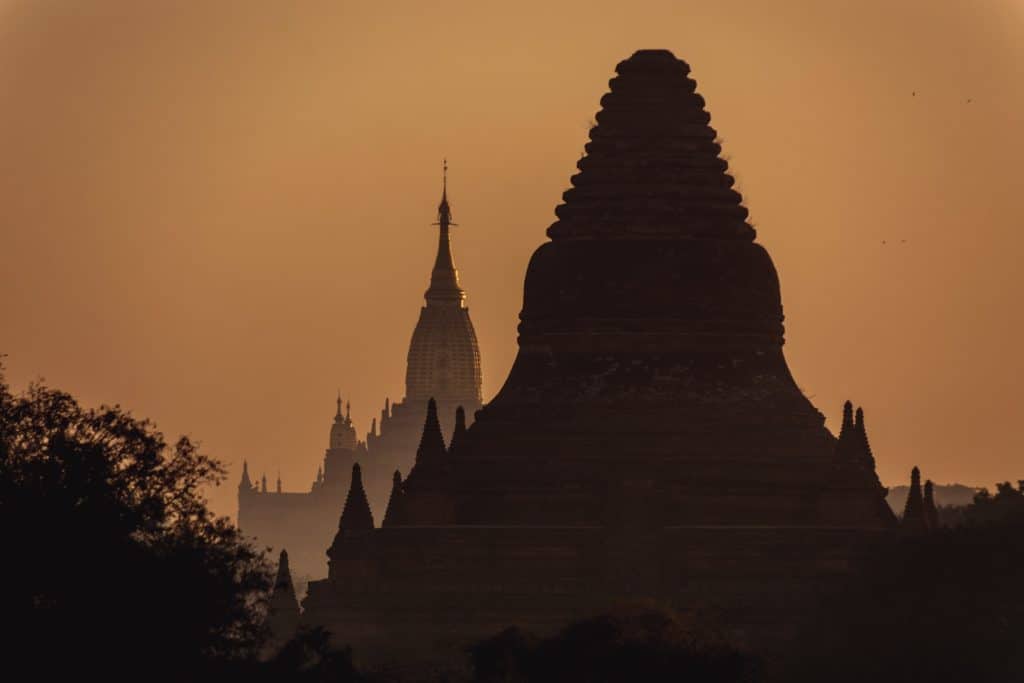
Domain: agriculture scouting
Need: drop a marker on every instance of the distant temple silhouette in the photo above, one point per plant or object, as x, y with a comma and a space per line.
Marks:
443, 364
649, 442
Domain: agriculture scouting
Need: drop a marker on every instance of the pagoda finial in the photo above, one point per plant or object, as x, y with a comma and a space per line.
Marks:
263, 483
338, 414
279, 481
444, 214
348, 411
444, 279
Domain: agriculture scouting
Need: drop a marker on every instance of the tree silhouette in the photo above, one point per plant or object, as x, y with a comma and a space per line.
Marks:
113, 563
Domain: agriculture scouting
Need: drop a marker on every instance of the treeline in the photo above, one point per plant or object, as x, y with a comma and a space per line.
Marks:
941, 605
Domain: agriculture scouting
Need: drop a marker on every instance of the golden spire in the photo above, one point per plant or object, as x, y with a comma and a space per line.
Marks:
444, 279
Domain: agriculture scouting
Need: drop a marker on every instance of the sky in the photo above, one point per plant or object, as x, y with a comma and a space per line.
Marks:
216, 214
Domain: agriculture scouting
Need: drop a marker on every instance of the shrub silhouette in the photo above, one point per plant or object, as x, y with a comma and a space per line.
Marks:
633, 645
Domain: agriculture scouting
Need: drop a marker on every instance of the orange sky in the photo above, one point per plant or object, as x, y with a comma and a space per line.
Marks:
216, 213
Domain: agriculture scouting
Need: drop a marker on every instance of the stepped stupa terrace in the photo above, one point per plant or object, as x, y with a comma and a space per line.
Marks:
649, 442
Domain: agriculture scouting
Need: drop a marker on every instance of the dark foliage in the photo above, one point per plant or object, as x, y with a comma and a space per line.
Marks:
309, 658
1004, 509
647, 645
938, 606
113, 565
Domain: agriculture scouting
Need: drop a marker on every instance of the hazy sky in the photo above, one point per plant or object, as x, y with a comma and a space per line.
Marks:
217, 213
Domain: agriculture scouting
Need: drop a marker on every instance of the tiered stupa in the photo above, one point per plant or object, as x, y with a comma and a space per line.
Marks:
649, 442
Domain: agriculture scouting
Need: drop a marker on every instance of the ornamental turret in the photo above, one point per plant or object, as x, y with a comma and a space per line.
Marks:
343, 434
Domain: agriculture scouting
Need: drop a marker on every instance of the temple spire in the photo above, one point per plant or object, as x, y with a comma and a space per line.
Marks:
444, 279
356, 515
459, 432
283, 613
392, 513
246, 483
279, 481
432, 442
847, 428
284, 589
931, 513
861, 432
338, 414
913, 512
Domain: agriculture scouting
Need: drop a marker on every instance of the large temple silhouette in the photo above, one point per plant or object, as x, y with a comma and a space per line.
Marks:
649, 442
443, 363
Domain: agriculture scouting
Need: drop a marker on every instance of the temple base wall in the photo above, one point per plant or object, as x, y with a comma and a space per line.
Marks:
424, 593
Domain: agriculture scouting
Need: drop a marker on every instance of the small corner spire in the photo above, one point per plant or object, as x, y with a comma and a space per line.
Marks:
283, 613
356, 515
847, 418
284, 575
913, 511
459, 432
392, 515
931, 512
432, 441
246, 483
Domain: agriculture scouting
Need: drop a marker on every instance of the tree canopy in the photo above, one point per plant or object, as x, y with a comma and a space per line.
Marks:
113, 563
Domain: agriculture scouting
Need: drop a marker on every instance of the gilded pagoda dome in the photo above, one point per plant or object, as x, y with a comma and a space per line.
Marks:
444, 357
